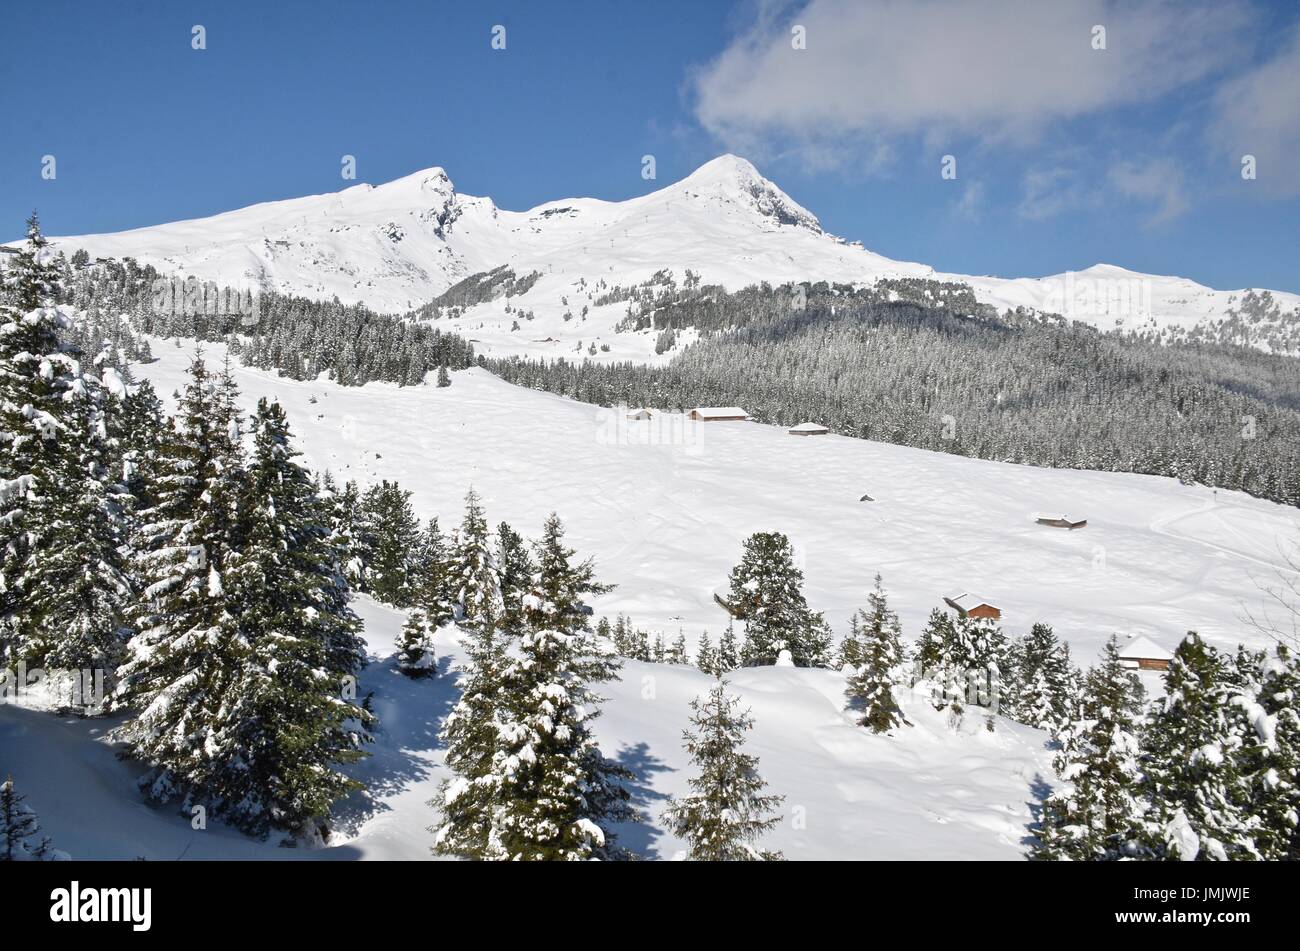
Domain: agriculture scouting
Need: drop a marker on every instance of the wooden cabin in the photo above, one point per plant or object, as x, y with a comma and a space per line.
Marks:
1061, 521
712, 414
1142, 653
809, 429
968, 605
641, 413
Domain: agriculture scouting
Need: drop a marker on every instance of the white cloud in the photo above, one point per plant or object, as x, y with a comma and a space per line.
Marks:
1047, 192
1157, 182
1258, 113
875, 69
971, 202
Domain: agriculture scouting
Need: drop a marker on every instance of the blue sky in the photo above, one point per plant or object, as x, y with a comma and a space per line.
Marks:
1066, 155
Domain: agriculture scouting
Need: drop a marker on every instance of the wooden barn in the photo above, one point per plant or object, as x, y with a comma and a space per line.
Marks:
1061, 521
712, 414
968, 605
1142, 653
641, 413
809, 429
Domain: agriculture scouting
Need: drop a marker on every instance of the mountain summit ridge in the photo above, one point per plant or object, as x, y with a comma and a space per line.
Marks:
399, 244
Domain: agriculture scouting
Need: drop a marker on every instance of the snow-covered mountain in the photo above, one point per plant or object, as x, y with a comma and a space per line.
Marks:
398, 245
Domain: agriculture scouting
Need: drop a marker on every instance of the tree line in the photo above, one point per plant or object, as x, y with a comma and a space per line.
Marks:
902, 367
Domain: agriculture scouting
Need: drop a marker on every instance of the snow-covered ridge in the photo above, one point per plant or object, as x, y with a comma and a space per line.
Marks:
398, 245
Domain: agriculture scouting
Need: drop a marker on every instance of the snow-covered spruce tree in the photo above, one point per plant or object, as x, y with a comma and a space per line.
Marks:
467, 803
557, 793
139, 429
728, 809
1276, 784
77, 588
851, 649
767, 594
871, 686
1097, 815
37, 428
1195, 744
414, 648
19, 829
187, 649
393, 534
434, 583
348, 522
1041, 698
676, 653
516, 576
476, 574
706, 656
285, 724
974, 662
929, 651
728, 652
444, 379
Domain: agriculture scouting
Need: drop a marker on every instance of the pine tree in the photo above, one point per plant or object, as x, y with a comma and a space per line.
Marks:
852, 651
41, 399
1200, 800
767, 594
1276, 779
974, 663
77, 587
728, 810
558, 795
1097, 815
435, 585
286, 726
871, 686
187, 648
476, 574
928, 655
393, 534
468, 801
19, 827
414, 649
1042, 680
516, 577
677, 651
444, 379
728, 653
706, 656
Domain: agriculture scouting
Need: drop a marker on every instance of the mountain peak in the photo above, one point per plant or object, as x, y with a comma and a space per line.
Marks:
735, 179
726, 167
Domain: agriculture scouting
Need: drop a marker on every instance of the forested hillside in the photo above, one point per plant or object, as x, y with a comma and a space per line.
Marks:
908, 363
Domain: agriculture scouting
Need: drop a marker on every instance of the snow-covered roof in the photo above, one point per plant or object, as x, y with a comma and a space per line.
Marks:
968, 601
1143, 646
708, 411
809, 428
639, 411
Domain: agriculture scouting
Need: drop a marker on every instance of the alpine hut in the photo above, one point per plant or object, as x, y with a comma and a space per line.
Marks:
809, 429
713, 414
1061, 521
968, 605
1142, 653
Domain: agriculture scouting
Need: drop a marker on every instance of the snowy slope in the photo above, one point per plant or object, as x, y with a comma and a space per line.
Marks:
664, 508
664, 519
398, 245
927, 793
